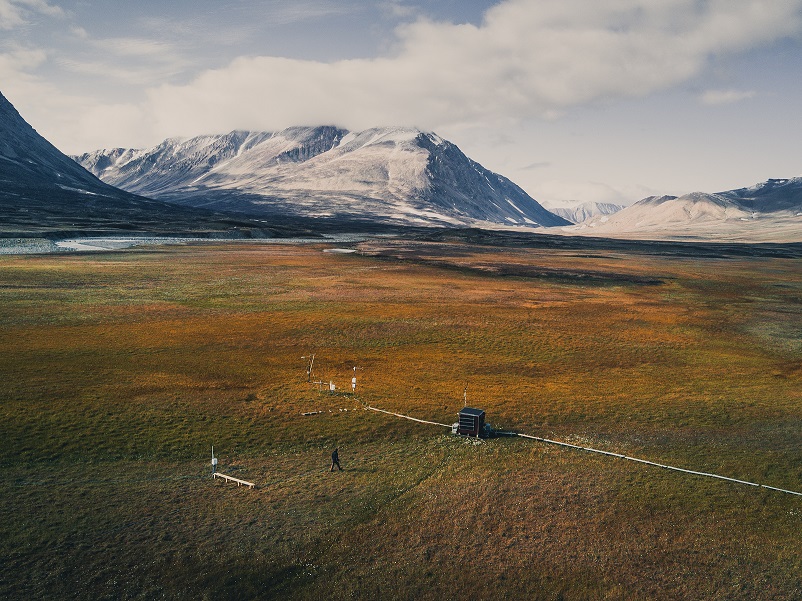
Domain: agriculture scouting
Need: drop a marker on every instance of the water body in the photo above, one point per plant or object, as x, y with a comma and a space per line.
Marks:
27, 246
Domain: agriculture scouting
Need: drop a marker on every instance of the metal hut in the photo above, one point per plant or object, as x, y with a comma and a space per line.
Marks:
472, 422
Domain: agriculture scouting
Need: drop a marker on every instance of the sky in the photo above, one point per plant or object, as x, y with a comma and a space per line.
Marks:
573, 100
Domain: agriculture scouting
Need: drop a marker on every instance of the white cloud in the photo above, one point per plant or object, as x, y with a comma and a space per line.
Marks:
556, 193
14, 13
398, 9
281, 12
136, 47
717, 97
535, 166
133, 61
16, 63
18, 59
142, 75
525, 60
37, 100
79, 32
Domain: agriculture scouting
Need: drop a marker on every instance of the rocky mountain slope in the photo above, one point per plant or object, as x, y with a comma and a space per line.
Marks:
43, 190
387, 175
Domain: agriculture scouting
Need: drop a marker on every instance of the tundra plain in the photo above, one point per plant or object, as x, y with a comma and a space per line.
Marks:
120, 369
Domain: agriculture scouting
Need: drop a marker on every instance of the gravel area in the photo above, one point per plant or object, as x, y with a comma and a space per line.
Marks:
26, 246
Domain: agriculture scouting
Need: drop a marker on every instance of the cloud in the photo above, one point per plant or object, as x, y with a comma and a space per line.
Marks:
398, 9
18, 59
135, 47
534, 166
525, 60
280, 12
14, 13
142, 75
717, 97
38, 100
557, 193
134, 61
79, 32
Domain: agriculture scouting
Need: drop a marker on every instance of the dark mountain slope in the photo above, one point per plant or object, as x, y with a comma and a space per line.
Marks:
42, 190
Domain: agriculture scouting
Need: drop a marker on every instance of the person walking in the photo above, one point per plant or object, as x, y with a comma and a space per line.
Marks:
335, 460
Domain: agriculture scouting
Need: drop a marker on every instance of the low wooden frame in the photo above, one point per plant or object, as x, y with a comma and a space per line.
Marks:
233, 479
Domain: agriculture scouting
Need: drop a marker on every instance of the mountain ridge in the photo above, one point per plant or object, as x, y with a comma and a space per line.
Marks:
393, 175
43, 190
586, 210
767, 211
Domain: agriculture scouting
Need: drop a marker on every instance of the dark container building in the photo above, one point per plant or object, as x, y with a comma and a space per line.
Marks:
471, 422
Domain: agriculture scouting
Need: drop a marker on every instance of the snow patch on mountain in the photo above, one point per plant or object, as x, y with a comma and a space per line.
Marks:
388, 174
584, 211
769, 211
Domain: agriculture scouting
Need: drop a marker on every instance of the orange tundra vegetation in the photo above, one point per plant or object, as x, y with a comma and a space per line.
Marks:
120, 370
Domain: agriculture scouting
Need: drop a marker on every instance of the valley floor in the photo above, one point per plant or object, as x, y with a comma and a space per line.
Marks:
121, 369
782, 230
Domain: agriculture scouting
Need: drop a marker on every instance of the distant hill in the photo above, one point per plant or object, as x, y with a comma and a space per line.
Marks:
42, 189
586, 210
398, 176
767, 212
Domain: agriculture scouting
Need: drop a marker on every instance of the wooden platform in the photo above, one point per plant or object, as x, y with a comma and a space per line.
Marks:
233, 479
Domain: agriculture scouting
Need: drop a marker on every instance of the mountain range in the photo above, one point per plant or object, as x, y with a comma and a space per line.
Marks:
400, 176
283, 183
584, 211
43, 190
769, 211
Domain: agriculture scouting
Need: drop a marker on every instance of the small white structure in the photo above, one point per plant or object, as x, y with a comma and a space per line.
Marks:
237, 480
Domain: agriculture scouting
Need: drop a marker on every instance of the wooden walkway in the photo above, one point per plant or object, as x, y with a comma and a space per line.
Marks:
233, 479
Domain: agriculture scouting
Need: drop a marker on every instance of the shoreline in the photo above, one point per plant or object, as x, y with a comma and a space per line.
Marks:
43, 245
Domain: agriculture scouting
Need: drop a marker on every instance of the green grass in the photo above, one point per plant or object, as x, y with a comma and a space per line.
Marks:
120, 370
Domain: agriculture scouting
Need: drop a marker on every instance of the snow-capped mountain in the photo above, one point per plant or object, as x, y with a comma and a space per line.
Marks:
42, 189
769, 211
771, 196
390, 175
584, 211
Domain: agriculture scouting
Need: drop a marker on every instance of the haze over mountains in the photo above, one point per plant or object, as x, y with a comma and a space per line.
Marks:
401, 176
584, 211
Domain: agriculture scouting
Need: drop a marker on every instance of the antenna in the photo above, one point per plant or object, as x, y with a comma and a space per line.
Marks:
465, 396
214, 460
353, 380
